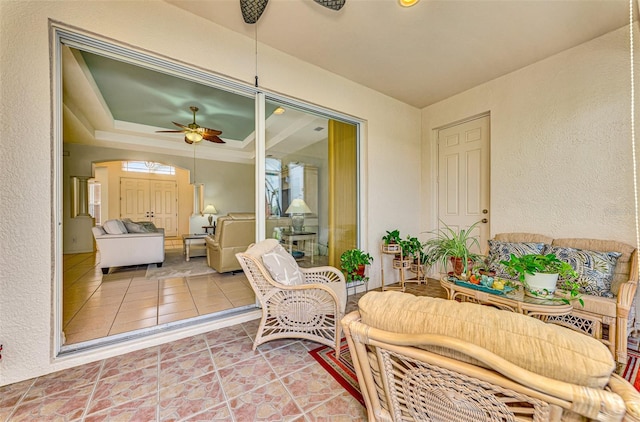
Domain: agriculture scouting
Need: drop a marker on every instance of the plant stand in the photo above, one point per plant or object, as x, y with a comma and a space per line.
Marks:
419, 271
355, 285
401, 265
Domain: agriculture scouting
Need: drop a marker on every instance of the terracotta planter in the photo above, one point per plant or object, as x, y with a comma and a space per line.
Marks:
458, 265
360, 270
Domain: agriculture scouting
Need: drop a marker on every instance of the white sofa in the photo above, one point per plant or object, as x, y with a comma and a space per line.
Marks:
122, 249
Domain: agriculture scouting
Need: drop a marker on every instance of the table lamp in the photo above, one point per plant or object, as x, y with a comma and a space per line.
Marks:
297, 210
210, 209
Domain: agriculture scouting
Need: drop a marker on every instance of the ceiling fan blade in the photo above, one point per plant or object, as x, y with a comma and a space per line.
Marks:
213, 138
252, 9
182, 126
211, 132
331, 4
169, 131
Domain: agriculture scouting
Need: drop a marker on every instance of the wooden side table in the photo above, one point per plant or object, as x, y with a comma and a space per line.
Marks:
289, 237
213, 229
187, 239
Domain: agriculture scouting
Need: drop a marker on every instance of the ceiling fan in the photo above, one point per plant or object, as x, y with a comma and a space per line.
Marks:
194, 132
252, 9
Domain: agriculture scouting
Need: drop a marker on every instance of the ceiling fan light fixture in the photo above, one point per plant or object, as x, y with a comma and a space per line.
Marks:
408, 3
194, 136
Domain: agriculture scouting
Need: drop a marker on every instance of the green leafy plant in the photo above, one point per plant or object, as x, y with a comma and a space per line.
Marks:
352, 262
412, 248
392, 236
448, 243
547, 264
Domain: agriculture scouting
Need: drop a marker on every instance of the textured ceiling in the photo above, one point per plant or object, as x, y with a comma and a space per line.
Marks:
426, 53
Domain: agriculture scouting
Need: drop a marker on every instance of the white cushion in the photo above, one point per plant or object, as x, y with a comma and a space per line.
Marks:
114, 227
282, 267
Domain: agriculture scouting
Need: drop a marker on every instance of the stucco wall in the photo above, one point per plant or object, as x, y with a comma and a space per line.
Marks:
561, 161
391, 137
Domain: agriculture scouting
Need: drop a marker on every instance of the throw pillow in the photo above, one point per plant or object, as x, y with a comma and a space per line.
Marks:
283, 267
595, 269
114, 227
501, 251
135, 227
148, 226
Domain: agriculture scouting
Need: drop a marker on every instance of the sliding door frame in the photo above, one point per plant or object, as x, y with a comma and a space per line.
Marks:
72, 37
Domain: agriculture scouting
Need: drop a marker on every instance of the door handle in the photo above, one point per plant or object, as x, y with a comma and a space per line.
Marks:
484, 220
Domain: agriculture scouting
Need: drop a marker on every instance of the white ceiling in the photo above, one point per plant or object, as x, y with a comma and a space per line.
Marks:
426, 53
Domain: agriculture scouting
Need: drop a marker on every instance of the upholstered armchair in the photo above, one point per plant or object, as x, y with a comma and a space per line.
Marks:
305, 303
424, 358
234, 233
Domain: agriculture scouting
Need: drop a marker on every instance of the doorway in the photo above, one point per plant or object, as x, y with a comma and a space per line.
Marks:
150, 200
463, 176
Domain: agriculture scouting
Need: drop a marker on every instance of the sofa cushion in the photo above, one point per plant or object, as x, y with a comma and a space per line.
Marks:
595, 269
135, 227
545, 349
114, 227
282, 266
149, 227
623, 267
501, 251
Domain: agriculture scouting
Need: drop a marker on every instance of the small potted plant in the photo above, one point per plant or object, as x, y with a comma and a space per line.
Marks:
353, 262
451, 246
411, 251
540, 273
391, 242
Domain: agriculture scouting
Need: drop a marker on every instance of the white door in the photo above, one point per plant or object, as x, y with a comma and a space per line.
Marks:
164, 206
150, 200
134, 199
463, 177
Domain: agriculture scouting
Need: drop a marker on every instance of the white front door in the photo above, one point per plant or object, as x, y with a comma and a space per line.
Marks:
134, 199
164, 206
150, 200
463, 176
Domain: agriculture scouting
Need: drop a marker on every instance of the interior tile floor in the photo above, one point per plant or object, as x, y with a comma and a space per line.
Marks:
214, 376
97, 305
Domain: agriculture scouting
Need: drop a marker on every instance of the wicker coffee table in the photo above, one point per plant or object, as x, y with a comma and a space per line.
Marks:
514, 301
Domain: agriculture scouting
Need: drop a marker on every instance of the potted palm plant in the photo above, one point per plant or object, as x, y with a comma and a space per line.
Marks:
353, 263
452, 246
540, 273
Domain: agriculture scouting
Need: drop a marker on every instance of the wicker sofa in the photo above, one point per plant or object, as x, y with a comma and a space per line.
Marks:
424, 358
607, 319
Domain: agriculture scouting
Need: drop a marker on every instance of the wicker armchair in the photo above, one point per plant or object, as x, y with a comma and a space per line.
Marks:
419, 358
310, 311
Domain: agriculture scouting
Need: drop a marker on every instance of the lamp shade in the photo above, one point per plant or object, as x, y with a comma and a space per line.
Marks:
298, 206
210, 209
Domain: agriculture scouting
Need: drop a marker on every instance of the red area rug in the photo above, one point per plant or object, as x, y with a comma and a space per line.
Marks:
341, 368
630, 372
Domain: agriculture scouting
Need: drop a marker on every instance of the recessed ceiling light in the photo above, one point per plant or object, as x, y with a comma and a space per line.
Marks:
278, 110
408, 3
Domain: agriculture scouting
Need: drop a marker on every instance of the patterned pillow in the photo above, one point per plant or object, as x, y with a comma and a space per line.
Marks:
148, 226
595, 269
501, 251
283, 267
